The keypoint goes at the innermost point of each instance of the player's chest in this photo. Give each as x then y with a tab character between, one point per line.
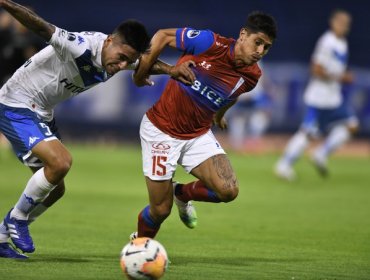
219	76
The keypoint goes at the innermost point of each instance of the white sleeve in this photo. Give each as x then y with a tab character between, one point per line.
322	52
68	45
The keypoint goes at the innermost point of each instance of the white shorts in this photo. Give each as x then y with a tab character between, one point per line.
162	153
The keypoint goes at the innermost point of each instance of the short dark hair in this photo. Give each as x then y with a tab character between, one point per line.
261	22
134	34
335	12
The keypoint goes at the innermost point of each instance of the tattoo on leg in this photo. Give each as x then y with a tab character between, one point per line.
224	171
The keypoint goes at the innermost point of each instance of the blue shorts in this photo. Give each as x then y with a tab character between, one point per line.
318	121
24	129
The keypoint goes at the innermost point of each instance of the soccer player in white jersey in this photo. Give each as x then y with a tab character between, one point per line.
326	111
72	63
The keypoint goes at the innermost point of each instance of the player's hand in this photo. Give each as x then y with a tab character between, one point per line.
347	77
220	122
141	82
183	72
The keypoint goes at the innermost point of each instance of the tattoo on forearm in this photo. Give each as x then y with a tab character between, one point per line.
224	171
159	67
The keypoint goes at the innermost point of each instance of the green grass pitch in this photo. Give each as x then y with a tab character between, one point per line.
309	229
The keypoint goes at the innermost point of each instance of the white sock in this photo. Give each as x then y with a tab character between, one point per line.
36	212
296	145
4	234
37	190
336	138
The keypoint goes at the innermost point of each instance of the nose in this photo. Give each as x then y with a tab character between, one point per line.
260	49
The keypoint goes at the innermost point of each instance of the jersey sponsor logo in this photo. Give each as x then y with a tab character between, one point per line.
211	95
32	140
71	37
70	86
160	148
205	65
192	33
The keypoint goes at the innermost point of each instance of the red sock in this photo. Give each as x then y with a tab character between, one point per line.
146	227
196	191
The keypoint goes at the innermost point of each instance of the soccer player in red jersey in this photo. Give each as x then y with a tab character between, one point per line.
176	130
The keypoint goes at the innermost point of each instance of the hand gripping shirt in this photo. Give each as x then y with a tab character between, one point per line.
186	112
69	65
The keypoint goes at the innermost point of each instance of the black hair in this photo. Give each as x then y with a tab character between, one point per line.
134	34
261	22
338	11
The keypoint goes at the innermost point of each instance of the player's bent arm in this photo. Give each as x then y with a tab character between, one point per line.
181	72
319	71
161	39
29	19
219	119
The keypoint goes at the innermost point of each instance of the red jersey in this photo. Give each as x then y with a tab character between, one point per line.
186	112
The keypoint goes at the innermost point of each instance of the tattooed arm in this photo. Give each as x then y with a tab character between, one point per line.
29	19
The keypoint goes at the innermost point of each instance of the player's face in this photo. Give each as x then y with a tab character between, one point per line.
117	56
251	47
340	24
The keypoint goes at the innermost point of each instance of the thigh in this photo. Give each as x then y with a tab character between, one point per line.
217	173
198	150
50	152
25	130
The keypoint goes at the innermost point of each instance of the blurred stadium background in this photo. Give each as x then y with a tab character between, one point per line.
311	229
113	111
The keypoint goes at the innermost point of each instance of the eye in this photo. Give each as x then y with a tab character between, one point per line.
123	57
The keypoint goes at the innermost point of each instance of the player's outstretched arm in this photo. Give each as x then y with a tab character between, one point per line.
163	38
29	19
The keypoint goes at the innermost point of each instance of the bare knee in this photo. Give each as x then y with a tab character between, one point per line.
58	167
227	191
227	195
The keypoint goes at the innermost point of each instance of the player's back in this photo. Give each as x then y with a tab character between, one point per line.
70	65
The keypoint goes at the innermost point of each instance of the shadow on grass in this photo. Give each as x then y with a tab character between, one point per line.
71	259
246	261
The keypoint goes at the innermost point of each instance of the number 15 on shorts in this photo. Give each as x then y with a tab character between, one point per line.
158	165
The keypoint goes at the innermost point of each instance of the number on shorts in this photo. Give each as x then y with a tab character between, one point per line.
158	168
48	132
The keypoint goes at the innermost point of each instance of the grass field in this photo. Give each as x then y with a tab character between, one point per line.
309	229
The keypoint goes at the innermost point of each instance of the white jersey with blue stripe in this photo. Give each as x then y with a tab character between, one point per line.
69	65
331	53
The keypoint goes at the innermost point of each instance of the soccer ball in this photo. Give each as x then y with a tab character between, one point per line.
144	258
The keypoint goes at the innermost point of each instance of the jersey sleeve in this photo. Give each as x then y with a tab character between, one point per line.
194	41
321	53
68	45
